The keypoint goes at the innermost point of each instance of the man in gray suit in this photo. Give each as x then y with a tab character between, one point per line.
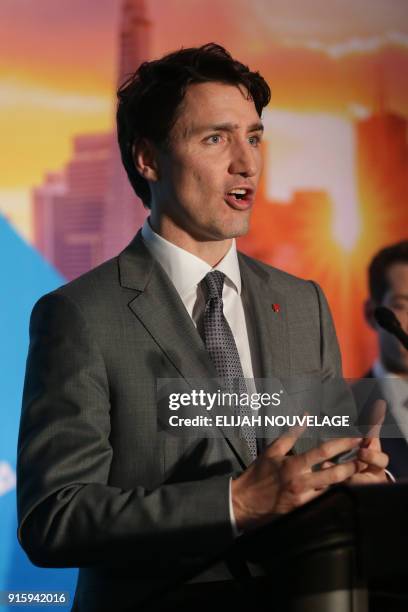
99	486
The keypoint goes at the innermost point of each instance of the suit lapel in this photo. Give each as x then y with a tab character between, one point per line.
268	327
160	310
266	316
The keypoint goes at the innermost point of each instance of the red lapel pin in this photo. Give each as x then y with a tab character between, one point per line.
276	307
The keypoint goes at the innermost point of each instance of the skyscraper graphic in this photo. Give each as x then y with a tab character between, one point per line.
124	211
88	212
69	207
45	200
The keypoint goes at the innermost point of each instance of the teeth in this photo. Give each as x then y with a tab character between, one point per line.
238	191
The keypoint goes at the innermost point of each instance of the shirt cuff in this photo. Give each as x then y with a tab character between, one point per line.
390	477
235	531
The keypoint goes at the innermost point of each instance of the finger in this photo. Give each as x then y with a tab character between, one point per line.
369	478
286	441
373	458
330	476
375	422
377	416
316	481
324	466
361	466
326	451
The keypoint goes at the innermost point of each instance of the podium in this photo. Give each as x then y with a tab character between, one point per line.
346	551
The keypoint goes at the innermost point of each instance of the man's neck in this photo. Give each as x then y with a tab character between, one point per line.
210	251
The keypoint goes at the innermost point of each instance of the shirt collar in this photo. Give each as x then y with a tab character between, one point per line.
186	270
380	372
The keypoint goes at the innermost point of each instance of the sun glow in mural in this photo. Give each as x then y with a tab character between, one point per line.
315	150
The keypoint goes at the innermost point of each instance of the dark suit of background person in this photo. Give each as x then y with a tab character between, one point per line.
99	487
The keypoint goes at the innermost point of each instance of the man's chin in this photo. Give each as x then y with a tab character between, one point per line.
235	230
225	230
233	234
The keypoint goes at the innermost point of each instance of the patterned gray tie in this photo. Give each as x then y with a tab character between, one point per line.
220	343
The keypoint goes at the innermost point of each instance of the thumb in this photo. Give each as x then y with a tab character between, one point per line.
376	420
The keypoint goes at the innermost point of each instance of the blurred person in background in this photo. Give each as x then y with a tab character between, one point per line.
388	286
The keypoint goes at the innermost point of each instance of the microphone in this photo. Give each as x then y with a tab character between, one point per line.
388	321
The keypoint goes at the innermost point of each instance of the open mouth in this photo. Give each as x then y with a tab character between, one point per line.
239	198
238	194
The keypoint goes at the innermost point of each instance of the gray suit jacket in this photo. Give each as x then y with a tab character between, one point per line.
98	486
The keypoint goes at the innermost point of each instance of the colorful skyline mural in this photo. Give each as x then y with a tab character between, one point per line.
335	182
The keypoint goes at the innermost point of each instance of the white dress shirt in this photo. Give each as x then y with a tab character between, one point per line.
186	271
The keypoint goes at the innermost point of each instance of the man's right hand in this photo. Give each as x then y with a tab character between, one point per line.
276	483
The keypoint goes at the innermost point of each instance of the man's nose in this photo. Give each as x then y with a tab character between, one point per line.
244	160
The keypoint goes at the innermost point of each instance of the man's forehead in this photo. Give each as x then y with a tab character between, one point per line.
397	278
216	103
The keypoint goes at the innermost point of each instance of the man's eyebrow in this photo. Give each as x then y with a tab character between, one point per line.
226	127
399	296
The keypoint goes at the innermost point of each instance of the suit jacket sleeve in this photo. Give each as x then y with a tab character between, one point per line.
69	514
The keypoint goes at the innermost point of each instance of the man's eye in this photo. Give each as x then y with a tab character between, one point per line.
399	306
254	140
214	139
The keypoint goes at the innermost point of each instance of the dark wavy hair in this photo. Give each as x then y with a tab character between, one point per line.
377	271
150	98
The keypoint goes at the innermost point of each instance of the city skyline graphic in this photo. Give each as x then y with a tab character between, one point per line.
334	187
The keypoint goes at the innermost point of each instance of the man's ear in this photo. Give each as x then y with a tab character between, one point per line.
145	159
369	308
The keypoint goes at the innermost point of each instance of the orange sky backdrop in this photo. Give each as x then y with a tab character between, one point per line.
57	62
327	63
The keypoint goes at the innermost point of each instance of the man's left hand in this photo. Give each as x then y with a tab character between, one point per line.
371	460
371	464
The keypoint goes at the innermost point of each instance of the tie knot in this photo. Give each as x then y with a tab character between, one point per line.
214	282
